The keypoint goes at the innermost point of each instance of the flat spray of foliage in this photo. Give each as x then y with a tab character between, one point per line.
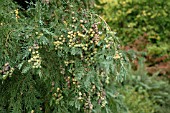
59	58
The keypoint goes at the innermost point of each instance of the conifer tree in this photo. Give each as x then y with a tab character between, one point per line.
59	57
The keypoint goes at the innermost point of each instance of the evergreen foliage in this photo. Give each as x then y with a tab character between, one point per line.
60	57
151	93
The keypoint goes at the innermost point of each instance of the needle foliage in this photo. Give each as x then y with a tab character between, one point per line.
58	57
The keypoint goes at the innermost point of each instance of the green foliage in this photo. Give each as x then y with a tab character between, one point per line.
133	18
137	102
150	92
58	58
142	25
158	50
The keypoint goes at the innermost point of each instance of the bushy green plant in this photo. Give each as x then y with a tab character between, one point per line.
136	102
158	50
151	92
133	18
136	16
59	58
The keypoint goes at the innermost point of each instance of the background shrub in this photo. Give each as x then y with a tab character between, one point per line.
143	27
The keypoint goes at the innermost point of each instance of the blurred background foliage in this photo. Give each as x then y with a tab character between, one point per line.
143	28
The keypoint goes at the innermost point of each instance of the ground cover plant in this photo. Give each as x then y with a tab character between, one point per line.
61	57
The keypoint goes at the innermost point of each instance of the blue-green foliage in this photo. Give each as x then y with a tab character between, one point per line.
59	58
